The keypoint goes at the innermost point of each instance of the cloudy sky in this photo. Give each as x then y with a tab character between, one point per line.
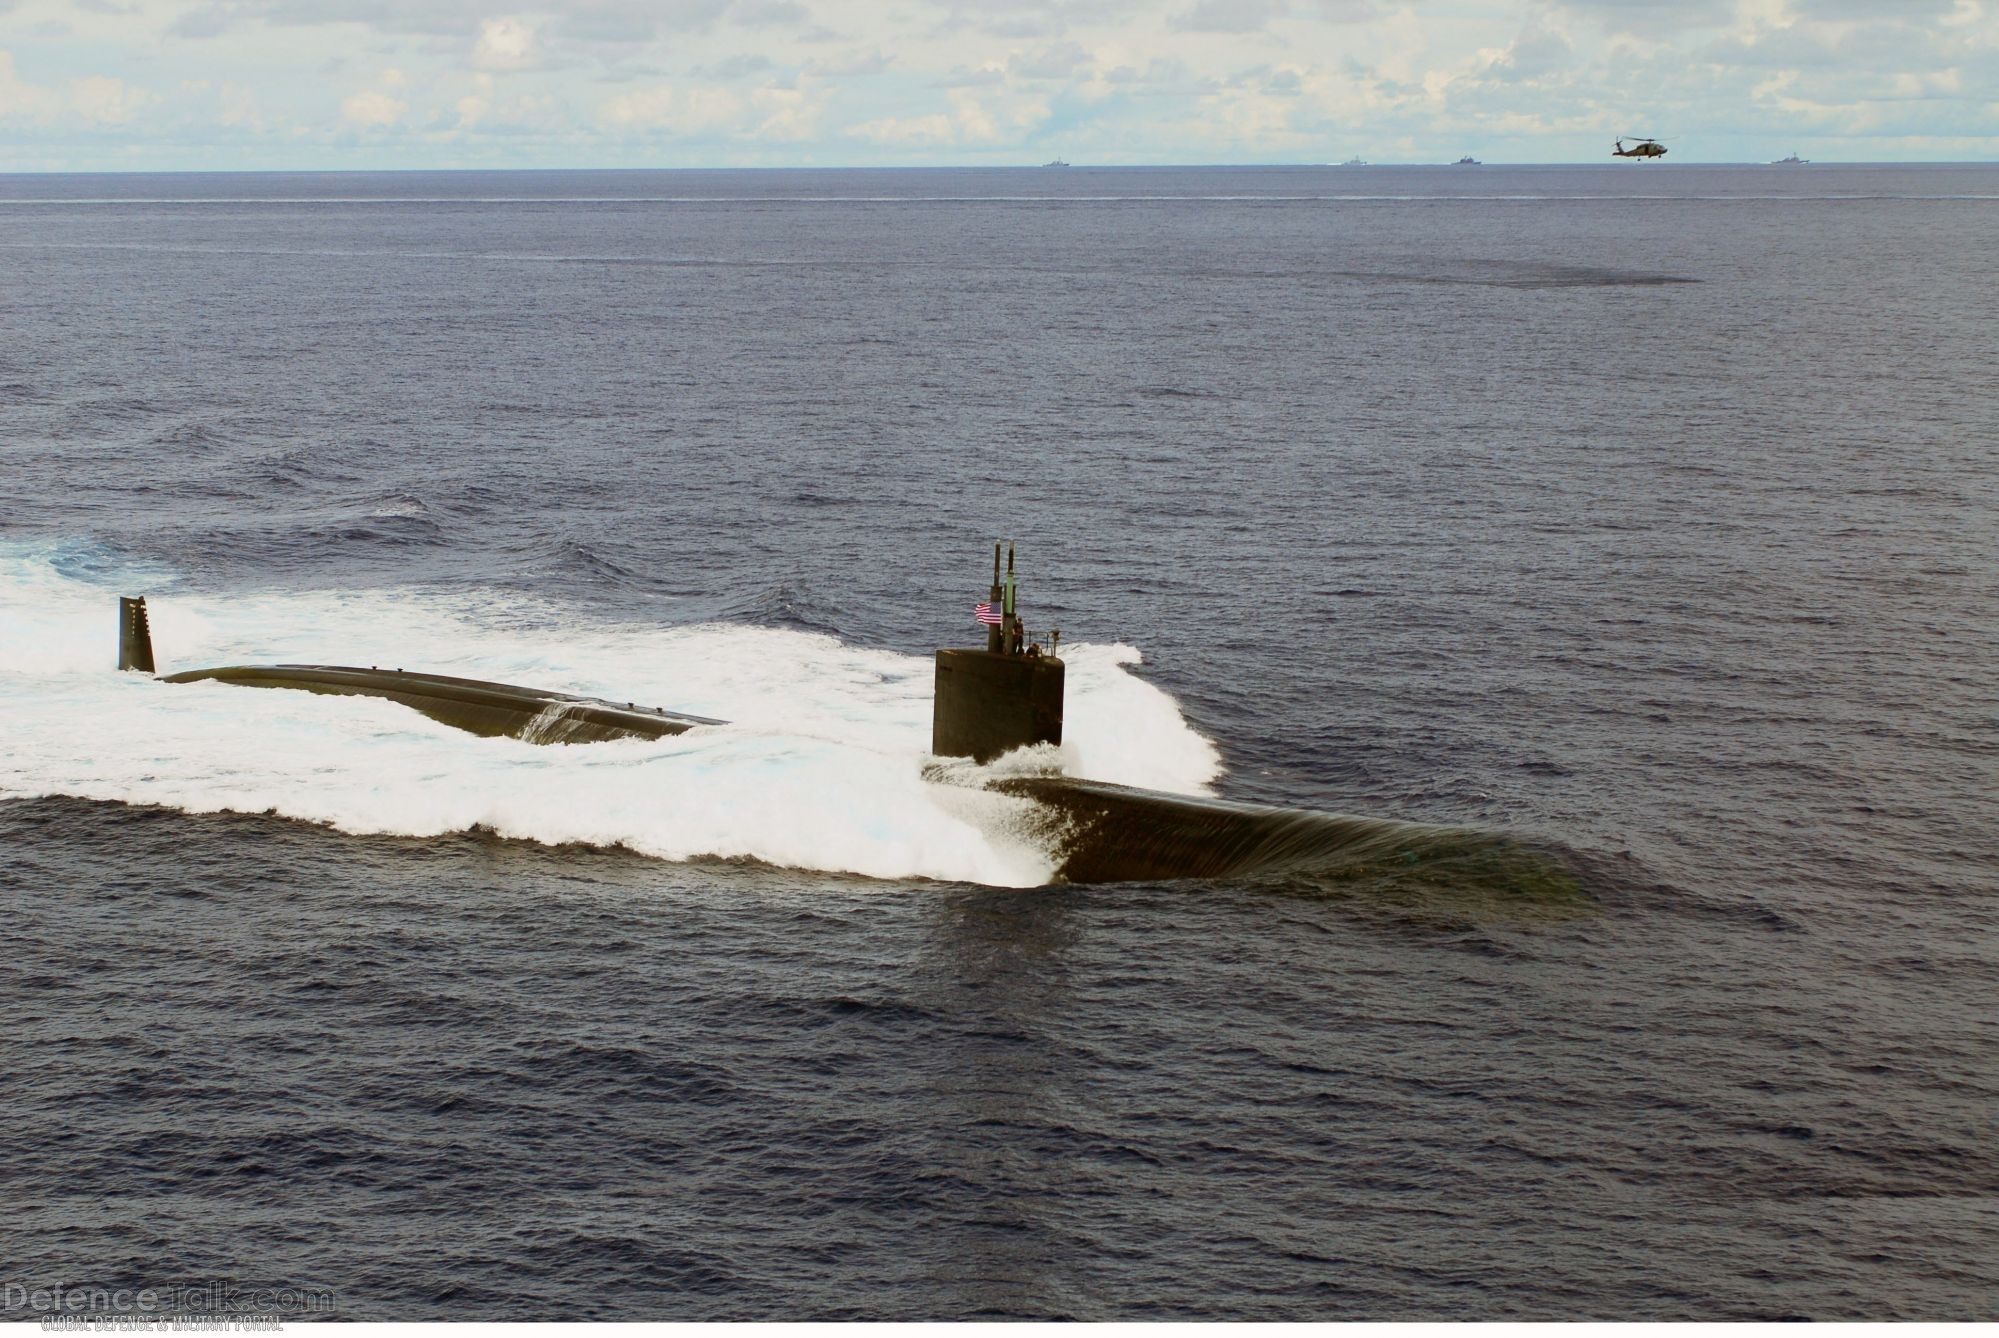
317	84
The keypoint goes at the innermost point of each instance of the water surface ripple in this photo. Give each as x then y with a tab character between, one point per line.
1640	515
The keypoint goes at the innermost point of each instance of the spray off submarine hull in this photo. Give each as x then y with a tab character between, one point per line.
491	710
988	702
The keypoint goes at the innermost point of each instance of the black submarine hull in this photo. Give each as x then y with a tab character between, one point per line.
1105	833
1118	833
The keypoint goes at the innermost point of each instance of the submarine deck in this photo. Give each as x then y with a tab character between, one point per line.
475	705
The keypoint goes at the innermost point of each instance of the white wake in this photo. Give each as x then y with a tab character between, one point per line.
821	766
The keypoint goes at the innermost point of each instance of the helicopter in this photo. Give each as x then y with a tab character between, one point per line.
1646	147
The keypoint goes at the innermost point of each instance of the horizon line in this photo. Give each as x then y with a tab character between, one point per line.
984	167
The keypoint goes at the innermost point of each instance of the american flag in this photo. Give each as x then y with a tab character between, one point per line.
987	614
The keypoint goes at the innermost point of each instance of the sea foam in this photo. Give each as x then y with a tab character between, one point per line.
820	767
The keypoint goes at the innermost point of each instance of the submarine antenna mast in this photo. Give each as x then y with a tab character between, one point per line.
1012	613
995	637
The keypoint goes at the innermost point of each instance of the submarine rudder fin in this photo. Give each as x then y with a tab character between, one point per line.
135	635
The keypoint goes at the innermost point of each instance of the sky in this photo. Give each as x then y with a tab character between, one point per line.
94	85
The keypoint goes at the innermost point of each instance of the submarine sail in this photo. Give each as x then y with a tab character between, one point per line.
1009	695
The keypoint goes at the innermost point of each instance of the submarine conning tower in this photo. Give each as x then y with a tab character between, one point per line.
1005	696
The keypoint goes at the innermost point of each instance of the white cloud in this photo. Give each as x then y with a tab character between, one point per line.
374	107
785	115
682	111
853	65
236	107
506	43
475	106
709	112
771	14
538	82
973	119
103	100
1057	60
1231	16
203	23
97	100
1540	51
908	131
19	99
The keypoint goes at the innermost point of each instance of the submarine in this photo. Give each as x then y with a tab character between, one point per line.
988	701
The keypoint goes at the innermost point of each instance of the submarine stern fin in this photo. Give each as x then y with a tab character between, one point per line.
135	635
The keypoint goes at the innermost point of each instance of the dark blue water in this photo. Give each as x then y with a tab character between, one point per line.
1642	513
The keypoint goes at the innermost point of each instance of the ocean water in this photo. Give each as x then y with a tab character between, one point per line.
1642	515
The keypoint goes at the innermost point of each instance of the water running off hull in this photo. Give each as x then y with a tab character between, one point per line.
1115	833
473	705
